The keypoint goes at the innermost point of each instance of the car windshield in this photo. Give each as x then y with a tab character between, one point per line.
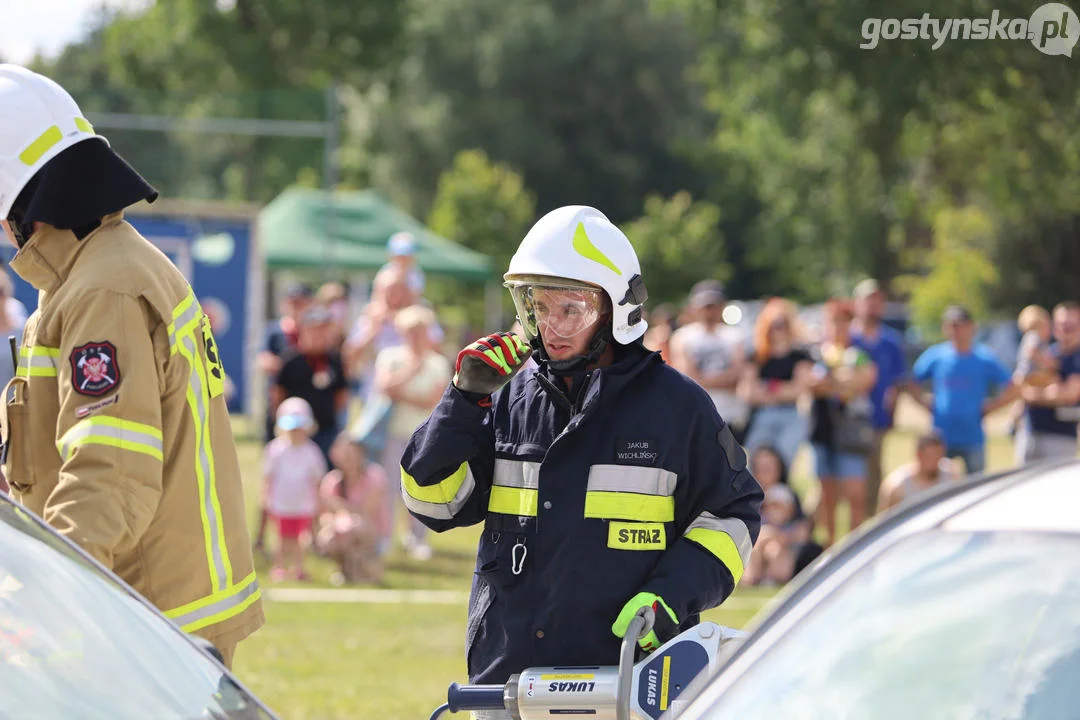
74	643
944	624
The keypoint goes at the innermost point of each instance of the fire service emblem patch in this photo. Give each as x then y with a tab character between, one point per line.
94	370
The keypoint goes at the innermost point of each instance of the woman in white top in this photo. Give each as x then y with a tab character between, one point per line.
413	376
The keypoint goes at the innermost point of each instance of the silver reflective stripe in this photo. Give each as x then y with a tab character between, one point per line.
735	529
442	511
517	474
37	357
202	437
85	429
216	608
183	323
632	479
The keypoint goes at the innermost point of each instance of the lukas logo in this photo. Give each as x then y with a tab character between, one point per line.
651	683
571	687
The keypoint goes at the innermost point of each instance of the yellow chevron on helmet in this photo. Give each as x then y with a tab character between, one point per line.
578	243
38	120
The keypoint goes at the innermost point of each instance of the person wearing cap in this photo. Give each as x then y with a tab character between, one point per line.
885	346
116	430
314	371
606	481
963	376
713	353
281	339
401	249
293	467
929	468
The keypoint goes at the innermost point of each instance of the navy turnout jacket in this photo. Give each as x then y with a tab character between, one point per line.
637	485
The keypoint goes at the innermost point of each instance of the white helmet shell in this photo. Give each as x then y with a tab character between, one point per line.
579	243
38	121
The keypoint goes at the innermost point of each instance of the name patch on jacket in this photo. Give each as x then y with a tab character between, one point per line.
94	370
636	536
636	452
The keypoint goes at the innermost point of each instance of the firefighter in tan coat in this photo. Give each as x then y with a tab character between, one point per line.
115	426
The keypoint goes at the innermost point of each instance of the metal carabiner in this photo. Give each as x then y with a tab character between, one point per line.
517	564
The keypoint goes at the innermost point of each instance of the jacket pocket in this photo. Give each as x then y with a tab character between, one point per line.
18	469
480	605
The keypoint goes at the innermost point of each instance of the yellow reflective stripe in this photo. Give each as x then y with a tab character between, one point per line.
42	145
442	500
185	316
38	351
629	506
513	501
38	361
113	432
585	248
183	342
722	546
36	371
217	607
84	125
441	492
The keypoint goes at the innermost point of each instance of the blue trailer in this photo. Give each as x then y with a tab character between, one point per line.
214	246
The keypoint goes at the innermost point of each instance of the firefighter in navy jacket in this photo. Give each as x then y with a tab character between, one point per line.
606	480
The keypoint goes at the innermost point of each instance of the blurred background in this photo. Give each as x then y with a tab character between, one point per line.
751	142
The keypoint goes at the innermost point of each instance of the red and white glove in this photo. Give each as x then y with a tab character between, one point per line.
490	362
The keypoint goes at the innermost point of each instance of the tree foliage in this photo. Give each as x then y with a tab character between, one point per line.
678	242
591	101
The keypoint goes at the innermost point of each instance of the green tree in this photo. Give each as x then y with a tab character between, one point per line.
850	152
678	242
590	101
190	58
483	206
486	207
956	271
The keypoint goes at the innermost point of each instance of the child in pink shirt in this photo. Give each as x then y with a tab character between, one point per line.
355	523
292	466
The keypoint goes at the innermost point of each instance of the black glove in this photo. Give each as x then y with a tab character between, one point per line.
489	363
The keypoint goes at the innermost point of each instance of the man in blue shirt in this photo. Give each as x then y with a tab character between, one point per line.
885	347
1048	429
962	376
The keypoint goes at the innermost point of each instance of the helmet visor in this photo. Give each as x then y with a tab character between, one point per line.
557	311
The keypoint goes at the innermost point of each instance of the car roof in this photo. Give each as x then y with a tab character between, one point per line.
1042	497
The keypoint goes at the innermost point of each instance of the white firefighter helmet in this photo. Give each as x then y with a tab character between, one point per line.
578	246
38	120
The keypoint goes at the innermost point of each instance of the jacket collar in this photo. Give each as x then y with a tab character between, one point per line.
630	362
48	256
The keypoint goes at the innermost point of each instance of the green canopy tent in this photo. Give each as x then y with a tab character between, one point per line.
314	229
306	231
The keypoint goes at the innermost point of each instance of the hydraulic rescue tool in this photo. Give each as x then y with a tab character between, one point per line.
628	692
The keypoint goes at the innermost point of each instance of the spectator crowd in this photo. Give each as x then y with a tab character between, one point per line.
834	388
344	394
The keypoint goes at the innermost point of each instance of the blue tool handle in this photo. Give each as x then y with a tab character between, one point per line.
474	697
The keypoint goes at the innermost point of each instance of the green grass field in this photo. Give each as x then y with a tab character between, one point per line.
357	660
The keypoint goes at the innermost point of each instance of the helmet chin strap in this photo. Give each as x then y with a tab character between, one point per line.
578	363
